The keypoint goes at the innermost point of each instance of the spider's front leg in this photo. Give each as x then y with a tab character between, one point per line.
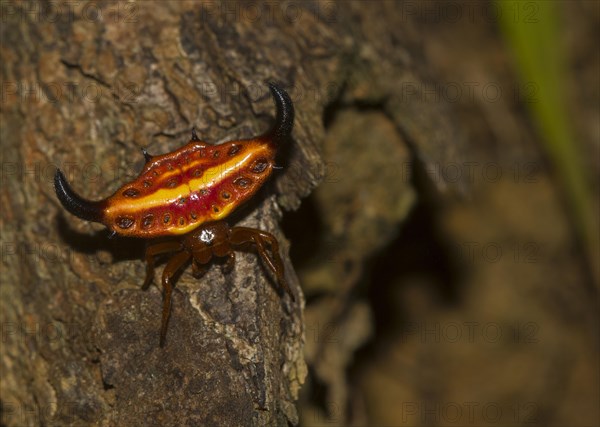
154	250
243	235
173	265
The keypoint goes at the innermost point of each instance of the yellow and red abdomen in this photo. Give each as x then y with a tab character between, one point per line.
198	183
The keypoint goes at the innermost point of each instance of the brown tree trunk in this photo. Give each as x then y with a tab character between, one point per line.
85	86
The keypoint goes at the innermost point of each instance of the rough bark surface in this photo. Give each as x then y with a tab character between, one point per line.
92	84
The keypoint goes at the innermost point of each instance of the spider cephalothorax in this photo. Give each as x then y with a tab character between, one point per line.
186	194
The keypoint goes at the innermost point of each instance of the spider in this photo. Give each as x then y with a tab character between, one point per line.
186	195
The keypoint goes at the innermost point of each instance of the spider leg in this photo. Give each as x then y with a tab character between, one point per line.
198	269
275	263
243	235
151	252
175	263
229	263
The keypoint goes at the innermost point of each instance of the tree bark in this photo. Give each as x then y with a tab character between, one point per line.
85	86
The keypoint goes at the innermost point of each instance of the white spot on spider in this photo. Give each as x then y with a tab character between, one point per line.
207	236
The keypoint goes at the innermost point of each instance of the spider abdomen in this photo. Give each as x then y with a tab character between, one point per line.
197	183
173	197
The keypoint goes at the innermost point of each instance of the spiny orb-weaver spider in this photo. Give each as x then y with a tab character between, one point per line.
187	194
